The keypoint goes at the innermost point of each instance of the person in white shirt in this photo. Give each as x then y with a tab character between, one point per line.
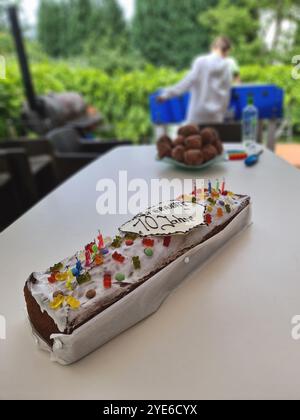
209	82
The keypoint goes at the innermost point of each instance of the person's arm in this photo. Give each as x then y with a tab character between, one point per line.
185	84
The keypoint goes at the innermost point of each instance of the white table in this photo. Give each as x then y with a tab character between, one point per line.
225	333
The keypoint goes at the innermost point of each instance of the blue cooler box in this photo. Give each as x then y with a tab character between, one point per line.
269	99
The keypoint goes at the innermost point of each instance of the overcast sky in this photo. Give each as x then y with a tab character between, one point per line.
30	8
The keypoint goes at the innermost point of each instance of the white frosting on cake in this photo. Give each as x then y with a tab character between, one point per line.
42	290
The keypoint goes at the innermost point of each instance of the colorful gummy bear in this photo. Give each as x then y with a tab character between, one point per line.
52	278
56	267
211	201
220	212
99	260
83	278
118	257
228	208
149	243
167	241
117	242
107	281
57	302
129	242
208	219
72	302
209	209
136	262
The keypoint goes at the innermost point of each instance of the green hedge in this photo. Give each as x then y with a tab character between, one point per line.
122	98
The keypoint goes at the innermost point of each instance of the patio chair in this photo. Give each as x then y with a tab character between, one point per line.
72	153
10	205
41	162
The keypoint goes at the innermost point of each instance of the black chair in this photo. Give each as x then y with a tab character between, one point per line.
72	153
229	132
10	205
40	160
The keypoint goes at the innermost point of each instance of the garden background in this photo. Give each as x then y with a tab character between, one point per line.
88	46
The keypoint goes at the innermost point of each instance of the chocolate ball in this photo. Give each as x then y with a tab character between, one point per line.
193	142
188	130
209	135
178	153
164	150
165	140
219	146
193	157
209	152
179	141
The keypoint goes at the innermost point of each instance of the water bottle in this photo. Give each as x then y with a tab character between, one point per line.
250	126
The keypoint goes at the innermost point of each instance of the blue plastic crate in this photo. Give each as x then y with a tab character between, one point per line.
269	99
172	111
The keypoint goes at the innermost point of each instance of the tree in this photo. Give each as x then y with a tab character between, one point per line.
239	20
167	32
66	26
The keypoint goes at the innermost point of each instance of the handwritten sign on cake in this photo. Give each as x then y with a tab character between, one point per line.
169	218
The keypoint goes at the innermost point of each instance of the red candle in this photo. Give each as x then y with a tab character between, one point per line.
100	241
87	258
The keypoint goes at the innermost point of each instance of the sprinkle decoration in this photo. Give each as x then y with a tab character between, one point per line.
148	252
149	243
90	294
209	209
107	281
136	262
120	277
104	251
118	257
167	241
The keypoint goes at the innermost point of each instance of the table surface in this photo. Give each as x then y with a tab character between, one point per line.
224	333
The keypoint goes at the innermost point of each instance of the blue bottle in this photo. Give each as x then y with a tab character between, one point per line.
250	126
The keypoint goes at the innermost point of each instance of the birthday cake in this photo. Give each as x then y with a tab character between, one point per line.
85	300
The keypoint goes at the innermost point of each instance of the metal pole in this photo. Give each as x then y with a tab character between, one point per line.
22	57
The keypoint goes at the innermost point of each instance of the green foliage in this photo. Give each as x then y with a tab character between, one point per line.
123	97
66	26
239	21
167	32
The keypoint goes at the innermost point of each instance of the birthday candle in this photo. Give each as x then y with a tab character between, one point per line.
100	241
223	186
218	185
209	187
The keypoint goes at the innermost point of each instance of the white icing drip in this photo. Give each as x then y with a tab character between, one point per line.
43	291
